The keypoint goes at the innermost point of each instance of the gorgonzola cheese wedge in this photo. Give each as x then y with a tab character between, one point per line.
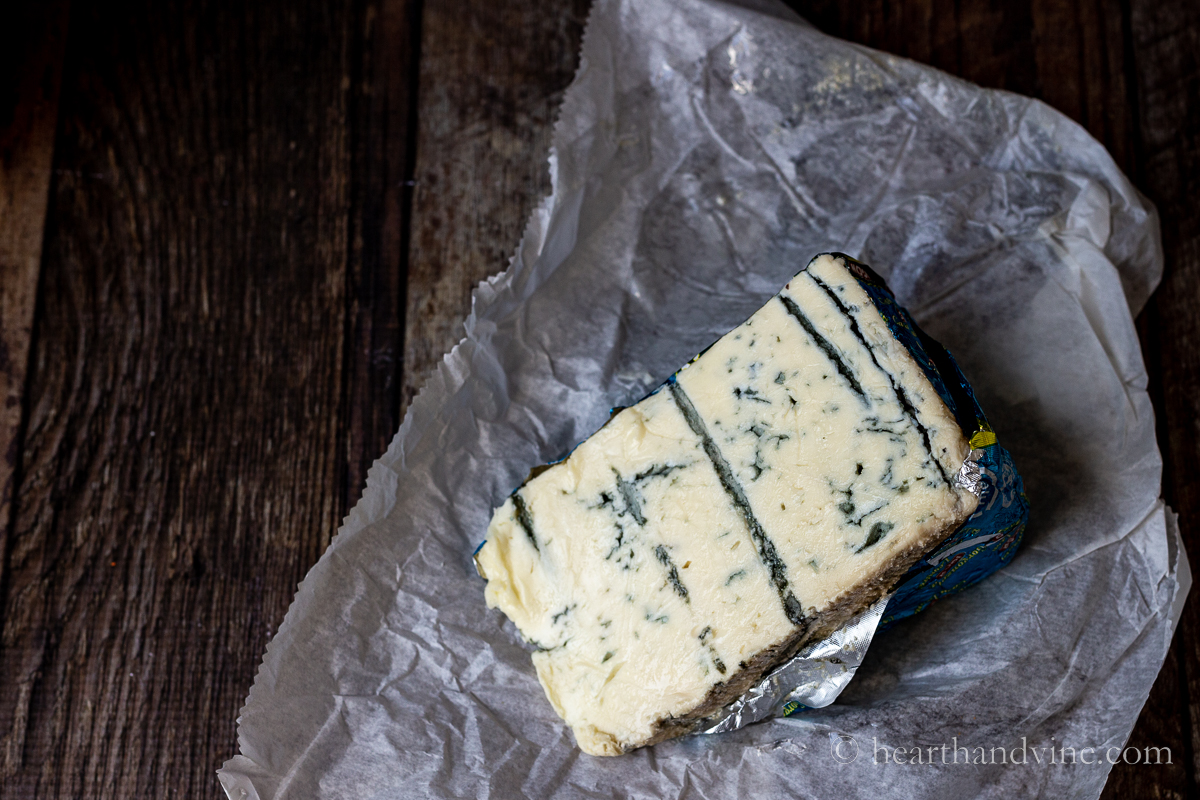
774	487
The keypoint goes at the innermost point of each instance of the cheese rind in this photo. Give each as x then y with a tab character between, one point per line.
777	485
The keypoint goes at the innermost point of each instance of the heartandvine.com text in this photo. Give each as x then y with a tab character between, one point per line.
845	750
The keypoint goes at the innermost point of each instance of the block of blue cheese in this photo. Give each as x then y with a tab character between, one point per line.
777	485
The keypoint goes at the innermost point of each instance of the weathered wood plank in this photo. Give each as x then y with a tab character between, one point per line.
183	462
1165	42
492	77
1079	49
383	106
31	53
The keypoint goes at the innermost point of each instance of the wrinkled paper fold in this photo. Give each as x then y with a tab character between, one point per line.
705	152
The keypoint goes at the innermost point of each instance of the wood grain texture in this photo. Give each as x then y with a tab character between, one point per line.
383	108
181	465
1165	43
492	78
31	53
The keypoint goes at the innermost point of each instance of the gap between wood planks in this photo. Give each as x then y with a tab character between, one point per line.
31	55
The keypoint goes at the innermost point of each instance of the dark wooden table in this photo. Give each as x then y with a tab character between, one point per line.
235	237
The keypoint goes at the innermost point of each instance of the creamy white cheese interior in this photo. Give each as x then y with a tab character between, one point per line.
787	466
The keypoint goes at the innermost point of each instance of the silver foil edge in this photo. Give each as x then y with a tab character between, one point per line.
814	677
970	474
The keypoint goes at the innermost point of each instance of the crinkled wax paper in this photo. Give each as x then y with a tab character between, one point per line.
704	153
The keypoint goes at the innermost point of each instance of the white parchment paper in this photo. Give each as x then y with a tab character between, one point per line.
704	153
